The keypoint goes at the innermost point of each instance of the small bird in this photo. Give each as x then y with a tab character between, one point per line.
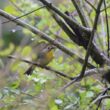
44	57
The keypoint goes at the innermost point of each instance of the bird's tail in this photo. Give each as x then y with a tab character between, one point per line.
30	70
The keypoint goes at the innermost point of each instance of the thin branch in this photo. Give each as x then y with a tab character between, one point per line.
44	67
15	5
95	53
103	93
108	35
90	4
88	73
81	13
79	77
99	98
23	15
37	32
43	35
66	18
91	38
105	8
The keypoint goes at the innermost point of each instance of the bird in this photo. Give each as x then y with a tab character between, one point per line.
45	55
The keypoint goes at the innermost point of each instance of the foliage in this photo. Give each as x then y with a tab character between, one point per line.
41	91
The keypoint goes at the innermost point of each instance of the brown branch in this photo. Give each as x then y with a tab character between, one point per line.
83	29
81	13
89	47
44	67
96	54
102	94
88	73
23	15
107	26
91	39
90	4
16	6
98	99
37	32
105	8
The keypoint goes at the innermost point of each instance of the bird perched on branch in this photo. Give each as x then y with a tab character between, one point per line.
45	54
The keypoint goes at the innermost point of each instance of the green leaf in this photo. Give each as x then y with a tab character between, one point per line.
7	51
89	94
26	51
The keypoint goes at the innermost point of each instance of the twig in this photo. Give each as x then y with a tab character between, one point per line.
88	73
23	15
79	77
90	4
15	5
99	98
108	35
38	32
103	93
91	39
66	18
44	67
105	8
81	13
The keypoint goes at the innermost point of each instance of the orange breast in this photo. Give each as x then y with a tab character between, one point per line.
50	55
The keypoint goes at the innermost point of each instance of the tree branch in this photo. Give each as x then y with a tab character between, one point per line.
88	73
89	45
108	35
83	29
38	32
81	13
44	67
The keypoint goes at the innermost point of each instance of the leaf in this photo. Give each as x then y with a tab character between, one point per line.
89	94
26	50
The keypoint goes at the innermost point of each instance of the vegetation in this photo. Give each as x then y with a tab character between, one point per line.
78	76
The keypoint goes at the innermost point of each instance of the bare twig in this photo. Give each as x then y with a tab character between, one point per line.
105	8
23	15
99	98
103	93
15	5
81	13
79	77
108	35
38	32
91	39
88	73
90	4
44	67
66	18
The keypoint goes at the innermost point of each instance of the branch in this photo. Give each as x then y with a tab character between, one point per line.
85	33
89	47
70	34
44	67
98	99
108	35
105	8
38	32
81	13
95	53
102	94
24	15
15	5
88	73
90	4
91	39
83	29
